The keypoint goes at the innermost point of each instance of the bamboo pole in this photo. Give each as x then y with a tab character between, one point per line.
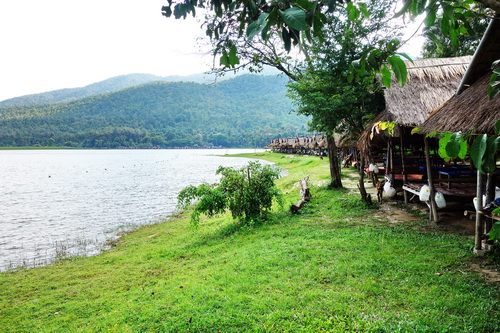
403	169
479	217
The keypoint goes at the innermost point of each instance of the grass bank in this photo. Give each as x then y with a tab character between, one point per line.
333	268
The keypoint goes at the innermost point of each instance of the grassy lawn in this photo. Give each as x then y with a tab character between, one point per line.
332	268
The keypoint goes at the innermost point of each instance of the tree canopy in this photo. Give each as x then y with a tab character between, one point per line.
299	22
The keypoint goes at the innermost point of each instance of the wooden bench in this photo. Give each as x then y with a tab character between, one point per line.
414	189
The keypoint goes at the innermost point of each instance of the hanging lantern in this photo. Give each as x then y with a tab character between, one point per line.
440	201
424	193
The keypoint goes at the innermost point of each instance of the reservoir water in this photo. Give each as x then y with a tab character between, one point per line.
59	203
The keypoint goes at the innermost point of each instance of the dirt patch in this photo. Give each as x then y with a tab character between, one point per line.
487	271
394	214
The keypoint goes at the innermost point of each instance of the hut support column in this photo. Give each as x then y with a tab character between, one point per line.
433	217
479	218
490	196
403	163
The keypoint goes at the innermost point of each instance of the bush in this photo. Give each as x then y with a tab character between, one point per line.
248	193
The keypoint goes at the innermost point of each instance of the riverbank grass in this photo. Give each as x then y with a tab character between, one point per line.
332	268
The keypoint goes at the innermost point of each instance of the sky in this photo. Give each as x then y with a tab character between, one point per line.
54	44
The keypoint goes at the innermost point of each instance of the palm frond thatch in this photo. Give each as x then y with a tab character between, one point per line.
470	112
430	83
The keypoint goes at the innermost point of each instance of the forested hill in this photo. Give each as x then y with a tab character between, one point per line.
247	111
109	85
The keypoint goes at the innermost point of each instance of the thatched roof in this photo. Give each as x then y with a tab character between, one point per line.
430	83
471	111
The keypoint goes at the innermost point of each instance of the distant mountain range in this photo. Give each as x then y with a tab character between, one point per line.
115	84
112	84
142	110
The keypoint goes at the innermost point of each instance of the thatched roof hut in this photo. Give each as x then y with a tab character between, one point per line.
470	110
430	83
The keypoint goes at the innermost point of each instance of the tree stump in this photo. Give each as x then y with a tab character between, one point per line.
305	196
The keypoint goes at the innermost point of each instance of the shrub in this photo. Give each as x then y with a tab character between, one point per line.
248	193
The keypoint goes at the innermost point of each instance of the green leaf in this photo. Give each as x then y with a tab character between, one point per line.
443	142
445	26
464	149
494	86
495	232
295	18
404	55
497	127
386	76
431	17
477	151
399	68
287	40
306	4
405	8
363	7
224	59
233	57
454	37
318	22
167	11
352	11
257	26
489	159
453	145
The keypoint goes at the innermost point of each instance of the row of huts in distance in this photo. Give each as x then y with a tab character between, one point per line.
302	145
448	94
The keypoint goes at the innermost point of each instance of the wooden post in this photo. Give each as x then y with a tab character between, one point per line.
490	196
479	217
391	158
433	217
403	170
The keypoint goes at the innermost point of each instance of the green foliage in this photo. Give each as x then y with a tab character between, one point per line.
440	45
399	68
494	87
247	111
248	193
495	229
301	22
385	126
484	151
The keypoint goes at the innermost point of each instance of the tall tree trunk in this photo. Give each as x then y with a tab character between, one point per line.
334	162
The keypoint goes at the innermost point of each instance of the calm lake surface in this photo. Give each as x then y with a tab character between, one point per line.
59	203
